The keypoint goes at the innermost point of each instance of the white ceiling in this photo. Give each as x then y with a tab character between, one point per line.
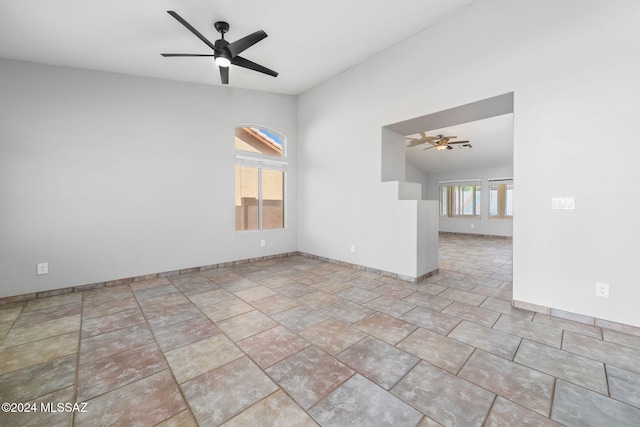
492	141
309	41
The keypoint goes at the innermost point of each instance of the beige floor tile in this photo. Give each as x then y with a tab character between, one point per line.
37	352
443	397
38	331
436	349
360	402
318	300
107	344
525	386
391	306
255	293
117	370
386	328
276	410
272	346
195	359
309	375
112	322
146	402
183	419
35	381
9	315
275	304
246	324
225	310
220	394
332	336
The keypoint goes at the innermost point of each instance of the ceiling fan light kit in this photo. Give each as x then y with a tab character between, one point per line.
222	60
225	53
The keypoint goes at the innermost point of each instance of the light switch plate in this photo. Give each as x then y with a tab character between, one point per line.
563	203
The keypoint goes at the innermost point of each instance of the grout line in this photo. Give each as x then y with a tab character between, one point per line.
486	418
606	378
553	395
77	367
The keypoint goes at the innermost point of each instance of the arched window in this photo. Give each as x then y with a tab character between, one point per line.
260	179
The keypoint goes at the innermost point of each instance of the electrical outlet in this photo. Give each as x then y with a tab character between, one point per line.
602	290
42	268
263	243
353	249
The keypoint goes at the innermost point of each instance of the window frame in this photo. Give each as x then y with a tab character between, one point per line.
501	185
261	162
255	154
452	190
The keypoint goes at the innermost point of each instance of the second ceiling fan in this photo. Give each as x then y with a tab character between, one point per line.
225	53
439	142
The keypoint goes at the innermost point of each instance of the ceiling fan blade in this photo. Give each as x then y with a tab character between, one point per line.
170	55
238	46
433	146
190	28
449	148
245	63
224	75
457	142
415	142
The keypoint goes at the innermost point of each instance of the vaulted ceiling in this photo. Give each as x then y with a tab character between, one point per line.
308	41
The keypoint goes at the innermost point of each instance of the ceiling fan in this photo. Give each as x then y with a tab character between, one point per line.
423	138
439	142
225	53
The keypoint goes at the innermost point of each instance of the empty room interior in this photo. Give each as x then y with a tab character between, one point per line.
338	213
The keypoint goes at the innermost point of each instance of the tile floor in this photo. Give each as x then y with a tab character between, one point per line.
297	341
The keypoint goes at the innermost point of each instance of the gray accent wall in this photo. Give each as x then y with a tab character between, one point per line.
106	176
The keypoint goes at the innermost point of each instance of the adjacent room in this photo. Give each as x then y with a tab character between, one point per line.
330	213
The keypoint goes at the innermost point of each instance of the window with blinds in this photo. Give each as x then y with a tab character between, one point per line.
501	198
460	199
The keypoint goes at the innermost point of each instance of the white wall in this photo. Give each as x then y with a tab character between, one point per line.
415	174
106	176
533	49
343	199
577	138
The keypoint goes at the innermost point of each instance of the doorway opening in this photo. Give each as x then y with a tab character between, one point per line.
463	158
